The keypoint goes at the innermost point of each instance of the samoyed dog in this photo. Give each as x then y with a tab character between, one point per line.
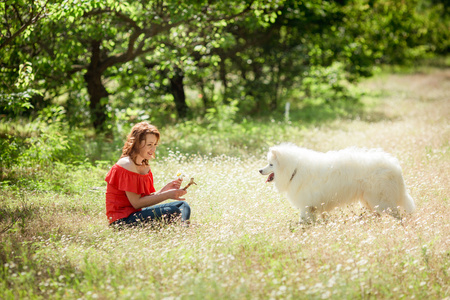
316	182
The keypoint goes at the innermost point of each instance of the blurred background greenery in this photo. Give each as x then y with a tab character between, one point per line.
76	75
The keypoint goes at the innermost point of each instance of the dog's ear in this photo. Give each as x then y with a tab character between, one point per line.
274	153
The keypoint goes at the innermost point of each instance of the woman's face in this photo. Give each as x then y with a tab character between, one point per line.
147	148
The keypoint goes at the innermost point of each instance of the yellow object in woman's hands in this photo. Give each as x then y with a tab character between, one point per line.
180	175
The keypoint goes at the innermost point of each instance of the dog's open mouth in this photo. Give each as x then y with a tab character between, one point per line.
271	177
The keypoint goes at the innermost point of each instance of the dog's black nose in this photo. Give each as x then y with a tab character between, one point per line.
260	171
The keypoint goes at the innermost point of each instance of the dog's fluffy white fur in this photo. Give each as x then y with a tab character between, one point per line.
318	182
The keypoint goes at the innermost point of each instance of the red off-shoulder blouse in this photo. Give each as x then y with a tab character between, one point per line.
120	180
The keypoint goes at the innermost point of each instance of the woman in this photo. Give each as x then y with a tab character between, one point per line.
130	195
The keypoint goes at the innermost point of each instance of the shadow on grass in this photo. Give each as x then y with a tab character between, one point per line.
319	114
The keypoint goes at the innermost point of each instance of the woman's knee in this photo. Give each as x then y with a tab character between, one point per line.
185	211
184	204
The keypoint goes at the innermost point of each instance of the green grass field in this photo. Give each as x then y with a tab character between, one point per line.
245	242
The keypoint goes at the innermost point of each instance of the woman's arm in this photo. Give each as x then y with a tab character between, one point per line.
140	202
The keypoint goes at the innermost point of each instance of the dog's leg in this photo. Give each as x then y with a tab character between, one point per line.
394	212
307	215
378	210
371	209
379	202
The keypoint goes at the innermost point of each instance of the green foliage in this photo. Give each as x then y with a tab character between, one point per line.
54	140
326	84
19	95
394	32
8	152
42	144
102	59
222	116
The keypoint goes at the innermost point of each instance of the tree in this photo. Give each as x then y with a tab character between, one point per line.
98	58
19	18
18	22
92	37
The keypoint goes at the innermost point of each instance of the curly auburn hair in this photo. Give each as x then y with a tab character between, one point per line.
135	137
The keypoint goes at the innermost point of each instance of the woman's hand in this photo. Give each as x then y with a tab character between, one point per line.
173	185
176	194
173	189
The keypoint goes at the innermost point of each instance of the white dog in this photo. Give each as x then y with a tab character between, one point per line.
318	182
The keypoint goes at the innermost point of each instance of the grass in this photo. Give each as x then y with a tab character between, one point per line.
246	243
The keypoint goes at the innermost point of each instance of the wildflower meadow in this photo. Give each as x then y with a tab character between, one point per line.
245	241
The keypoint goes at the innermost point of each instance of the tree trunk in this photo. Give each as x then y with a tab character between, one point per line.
207	103
96	89
177	90
273	104
223	78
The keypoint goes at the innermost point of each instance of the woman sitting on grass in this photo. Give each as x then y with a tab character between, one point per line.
130	195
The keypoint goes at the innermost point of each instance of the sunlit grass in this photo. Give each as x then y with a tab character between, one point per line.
245	242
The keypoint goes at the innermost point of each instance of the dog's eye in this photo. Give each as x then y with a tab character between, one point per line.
271	165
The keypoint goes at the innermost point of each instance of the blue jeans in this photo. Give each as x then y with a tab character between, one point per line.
167	212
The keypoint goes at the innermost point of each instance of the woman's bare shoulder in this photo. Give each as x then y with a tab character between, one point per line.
127	163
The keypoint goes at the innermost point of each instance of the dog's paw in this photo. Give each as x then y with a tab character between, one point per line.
306	221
